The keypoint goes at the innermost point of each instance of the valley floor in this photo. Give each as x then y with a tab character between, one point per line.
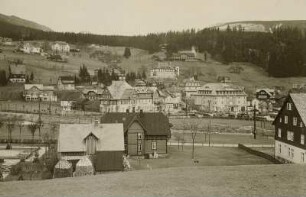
251	180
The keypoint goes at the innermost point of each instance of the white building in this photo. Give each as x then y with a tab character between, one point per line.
31	48
123	97
34	92
191	87
165	70
221	97
61	47
290	130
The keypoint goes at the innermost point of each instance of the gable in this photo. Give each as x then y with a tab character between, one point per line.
298	107
135	127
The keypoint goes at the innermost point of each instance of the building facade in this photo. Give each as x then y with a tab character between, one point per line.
39	92
165	70
221	97
290	130
61	47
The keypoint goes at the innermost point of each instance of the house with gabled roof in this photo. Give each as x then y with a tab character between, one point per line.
17	73
60	46
39	92
120	97
290	130
104	143
144	133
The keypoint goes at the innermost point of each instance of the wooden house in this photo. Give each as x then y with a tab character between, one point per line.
144	133
290	129
102	142
17	73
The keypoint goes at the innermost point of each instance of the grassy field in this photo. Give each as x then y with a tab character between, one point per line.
219	138
46	71
251	180
221	125
207	156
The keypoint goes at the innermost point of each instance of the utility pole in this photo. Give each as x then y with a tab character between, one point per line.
254	117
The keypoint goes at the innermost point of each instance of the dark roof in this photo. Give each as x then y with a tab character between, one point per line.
68	95
299	100
153	123
67	79
18	69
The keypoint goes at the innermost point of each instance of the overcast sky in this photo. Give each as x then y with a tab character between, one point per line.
130	17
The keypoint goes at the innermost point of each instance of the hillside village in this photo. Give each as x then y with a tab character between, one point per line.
81	110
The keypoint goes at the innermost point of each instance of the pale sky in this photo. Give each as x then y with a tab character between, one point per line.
132	17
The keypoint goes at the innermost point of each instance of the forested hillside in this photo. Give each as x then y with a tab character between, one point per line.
281	53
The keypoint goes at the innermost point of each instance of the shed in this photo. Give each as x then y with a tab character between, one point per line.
62	169
84	167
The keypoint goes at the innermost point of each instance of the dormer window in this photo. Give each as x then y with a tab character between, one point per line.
289	106
91	141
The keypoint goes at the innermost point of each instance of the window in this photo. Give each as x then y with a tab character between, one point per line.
302	157
289	106
280	119
292	153
290	135
279	132
302	139
301	124
139	136
280	148
286	119
289	152
153	145
294	121
139	147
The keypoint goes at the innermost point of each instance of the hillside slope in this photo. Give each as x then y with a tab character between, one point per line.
14	20
255	180
263	26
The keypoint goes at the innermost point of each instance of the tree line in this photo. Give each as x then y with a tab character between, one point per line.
281	52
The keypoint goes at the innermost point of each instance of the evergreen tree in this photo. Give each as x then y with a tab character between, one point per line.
3	79
127	52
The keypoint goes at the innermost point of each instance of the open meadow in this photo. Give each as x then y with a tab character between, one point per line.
248	180
207	156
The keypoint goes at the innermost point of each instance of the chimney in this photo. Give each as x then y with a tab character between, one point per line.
141	113
96	123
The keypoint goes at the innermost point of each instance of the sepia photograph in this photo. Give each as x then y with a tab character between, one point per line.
149	98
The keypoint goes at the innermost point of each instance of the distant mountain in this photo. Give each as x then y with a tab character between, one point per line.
14	20
263	26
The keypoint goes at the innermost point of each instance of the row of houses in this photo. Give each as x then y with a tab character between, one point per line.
37	47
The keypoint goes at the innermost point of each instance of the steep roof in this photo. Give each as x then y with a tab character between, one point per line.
71	137
299	101
18	69
117	89
38	86
153	123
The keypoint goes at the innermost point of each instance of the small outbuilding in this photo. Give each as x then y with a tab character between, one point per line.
62	169
84	167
